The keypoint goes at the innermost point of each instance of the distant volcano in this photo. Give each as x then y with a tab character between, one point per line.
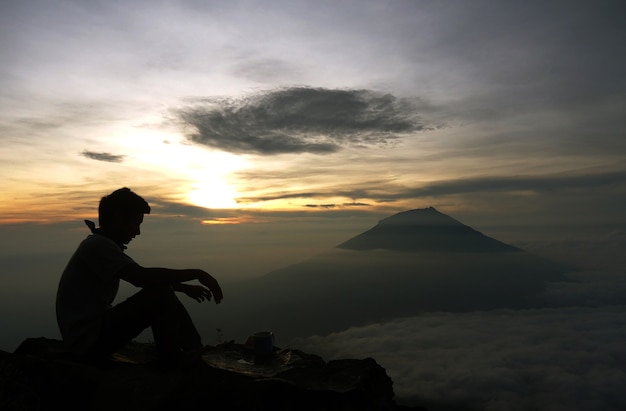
412	262
425	230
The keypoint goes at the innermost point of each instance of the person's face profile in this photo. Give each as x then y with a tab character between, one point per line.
133	227
128	227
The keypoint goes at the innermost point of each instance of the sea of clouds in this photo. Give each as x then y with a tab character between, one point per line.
568	356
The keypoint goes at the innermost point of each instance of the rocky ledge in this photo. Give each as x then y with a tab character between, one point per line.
39	375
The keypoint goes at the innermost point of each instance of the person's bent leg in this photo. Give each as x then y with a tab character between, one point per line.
172	327
188	337
158	307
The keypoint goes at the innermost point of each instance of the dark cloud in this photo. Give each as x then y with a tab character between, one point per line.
302	119
320	205
108	157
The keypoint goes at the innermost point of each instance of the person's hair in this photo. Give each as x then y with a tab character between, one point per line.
122	203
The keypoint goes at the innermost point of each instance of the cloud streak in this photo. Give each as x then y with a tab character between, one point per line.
106	157
390	192
519	183
302	120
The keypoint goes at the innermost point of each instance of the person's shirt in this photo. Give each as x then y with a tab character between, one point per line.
87	289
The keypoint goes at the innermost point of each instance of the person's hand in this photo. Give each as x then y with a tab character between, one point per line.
197	292
212	284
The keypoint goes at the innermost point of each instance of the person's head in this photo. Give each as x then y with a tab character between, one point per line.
121	213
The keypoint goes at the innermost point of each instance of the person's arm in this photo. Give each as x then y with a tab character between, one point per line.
149	276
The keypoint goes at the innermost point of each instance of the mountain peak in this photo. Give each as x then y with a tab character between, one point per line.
424	229
419	216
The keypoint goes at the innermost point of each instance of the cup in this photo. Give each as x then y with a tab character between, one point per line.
263	342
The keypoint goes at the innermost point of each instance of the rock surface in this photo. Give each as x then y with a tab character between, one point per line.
39	375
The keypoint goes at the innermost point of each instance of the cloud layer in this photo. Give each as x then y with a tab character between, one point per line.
302	119
557	359
567	357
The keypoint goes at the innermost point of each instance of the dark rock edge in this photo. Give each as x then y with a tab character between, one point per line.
40	375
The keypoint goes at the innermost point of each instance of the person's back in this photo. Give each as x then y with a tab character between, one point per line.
87	288
90	325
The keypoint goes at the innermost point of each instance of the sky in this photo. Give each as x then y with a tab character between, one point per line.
264	132
246	107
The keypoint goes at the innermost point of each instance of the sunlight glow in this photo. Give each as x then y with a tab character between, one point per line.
209	174
213	192
206	172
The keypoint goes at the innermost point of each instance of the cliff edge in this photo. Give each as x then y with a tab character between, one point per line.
39	375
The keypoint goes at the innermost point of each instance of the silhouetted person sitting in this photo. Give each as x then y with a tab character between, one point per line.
91	327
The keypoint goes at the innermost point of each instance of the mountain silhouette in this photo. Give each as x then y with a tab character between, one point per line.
425	230
412	262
